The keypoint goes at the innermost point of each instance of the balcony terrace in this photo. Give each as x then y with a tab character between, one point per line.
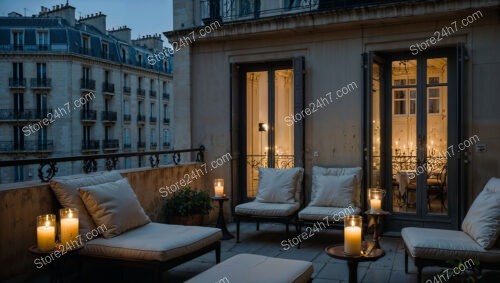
42	84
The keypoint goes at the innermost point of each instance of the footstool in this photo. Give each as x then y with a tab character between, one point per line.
250	268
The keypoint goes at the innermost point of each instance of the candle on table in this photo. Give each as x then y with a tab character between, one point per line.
376	196
69	225
376	204
219	187
46	232
352	235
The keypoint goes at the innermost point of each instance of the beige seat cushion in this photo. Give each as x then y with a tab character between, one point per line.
66	191
267	209
445	245
250	268
114	205
334	214
154	241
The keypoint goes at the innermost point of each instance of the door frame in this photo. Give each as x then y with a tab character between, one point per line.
454	131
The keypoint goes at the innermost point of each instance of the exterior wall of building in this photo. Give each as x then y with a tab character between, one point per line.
66	132
333	59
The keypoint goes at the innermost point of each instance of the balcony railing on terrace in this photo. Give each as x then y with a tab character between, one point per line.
237	10
47	168
152	93
141	92
166	96
166	121
25	114
126	90
17	83
152	119
108	87
87	84
141	144
141	118
41	83
127	117
27	146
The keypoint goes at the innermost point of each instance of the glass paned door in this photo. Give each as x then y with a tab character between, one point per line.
269	141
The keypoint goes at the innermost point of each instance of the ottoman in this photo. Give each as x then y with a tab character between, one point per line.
250	268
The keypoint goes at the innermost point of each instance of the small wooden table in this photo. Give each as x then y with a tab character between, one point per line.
57	260
371	254
221	222
376	217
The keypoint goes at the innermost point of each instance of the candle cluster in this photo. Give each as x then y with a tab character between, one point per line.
46	229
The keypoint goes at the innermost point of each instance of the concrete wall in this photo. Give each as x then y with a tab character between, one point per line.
333	59
21	203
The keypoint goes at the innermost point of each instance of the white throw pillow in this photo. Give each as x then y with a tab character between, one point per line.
339	171
482	222
493	185
336	191
278	185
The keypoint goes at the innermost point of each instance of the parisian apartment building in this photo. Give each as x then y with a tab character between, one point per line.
73	87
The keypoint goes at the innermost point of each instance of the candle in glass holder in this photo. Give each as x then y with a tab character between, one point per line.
219	187
352	235
376	196
69	224
46	232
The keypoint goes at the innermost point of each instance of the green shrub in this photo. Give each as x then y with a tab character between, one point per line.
188	202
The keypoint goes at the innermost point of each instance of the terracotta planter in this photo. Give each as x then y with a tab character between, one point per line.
193	220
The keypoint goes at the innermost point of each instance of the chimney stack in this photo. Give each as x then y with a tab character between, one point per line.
97	20
123	33
64	11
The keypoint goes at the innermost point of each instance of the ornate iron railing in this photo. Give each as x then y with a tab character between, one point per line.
47	168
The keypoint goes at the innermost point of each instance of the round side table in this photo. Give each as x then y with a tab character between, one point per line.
221	222
56	265
337	251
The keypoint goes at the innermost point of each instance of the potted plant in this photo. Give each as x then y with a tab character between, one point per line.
188	206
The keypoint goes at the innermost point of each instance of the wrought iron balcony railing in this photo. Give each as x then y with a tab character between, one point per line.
43	47
127	146
88	115
41	83
109	116
90	145
152	119
126	90
166	145
153	144
17	83
166	121
152	93
141	144
141	118
87	84
48	167
141	92
110	144
25	114
18	47
27	146
127	117
166	96
108	87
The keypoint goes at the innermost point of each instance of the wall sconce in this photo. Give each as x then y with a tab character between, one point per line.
263	127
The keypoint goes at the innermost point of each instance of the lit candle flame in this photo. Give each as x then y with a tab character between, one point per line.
70	215
47	224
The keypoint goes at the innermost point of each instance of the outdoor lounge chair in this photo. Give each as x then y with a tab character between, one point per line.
336	192
278	199
478	240
100	197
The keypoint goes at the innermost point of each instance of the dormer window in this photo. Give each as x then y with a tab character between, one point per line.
139	59
18	37
85	45
124	55
104	50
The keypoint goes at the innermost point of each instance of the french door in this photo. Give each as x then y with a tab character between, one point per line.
412	127
269	92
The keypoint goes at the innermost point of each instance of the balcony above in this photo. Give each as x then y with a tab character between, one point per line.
141	118
152	93
90	145
126	90
87	85
110	145
166	97
10	147
88	116
166	121
109	116
108	88
14	115
41	83
15	83
152	120
141	145
166	145
153	145
141	93
127	118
